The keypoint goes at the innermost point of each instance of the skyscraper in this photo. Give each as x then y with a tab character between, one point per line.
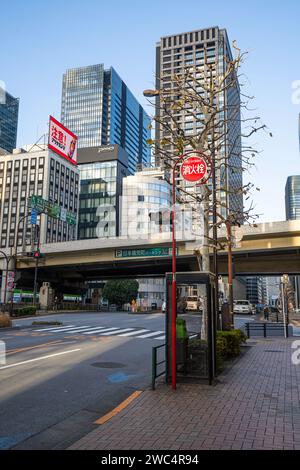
257	291
292	198
173	55
101	110
9	111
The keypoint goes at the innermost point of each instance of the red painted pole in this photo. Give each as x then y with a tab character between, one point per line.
174	293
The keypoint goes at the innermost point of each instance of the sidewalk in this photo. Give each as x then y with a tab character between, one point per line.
255	405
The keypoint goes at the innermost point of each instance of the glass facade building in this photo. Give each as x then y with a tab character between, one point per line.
101	174
257	291
9	111
98	193
100	109
292	198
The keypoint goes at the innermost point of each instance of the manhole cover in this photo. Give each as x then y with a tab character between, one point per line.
108	365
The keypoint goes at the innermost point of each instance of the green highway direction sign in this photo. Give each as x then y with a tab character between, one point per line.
52	210
143	252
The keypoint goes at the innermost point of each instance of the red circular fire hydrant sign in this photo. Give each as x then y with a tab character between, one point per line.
195	169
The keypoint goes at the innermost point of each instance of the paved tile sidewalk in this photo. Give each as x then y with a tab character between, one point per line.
255	405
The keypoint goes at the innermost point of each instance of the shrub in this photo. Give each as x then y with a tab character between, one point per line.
5	320
24	312
233	341
242	335
221	352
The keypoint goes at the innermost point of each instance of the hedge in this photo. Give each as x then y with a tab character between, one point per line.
24	312
229	345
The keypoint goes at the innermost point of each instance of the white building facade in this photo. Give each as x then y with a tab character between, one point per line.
146	204
36	170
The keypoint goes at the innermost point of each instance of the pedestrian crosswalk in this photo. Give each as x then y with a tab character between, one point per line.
87	330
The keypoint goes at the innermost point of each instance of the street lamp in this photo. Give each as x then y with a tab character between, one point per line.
284	283
176	161
151	93
15	254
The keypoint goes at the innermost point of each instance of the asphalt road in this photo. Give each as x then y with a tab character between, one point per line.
58	380
49	402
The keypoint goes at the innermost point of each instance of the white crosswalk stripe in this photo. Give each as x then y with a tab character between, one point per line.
70	330
140	333
56	328
148	335
100	330
136	332
116	332
86	328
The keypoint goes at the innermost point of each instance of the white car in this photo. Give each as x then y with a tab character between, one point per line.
242	307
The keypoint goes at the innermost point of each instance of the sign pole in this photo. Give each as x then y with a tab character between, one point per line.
174	287
194	169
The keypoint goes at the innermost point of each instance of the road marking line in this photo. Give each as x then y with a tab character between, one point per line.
88	328
151	334
137	332
39	359
14	351
99	330
161	337
118	409
56	328
116	332
74	328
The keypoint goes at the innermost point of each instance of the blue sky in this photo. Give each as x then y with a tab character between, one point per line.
40	39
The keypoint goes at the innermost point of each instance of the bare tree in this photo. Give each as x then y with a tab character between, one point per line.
204	108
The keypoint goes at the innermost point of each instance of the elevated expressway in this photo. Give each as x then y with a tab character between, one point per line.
267	249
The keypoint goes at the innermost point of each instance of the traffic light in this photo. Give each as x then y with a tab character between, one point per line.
35	254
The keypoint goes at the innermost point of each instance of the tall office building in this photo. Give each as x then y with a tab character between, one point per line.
173	55
292	198
101	110
36	170
9	111
257	290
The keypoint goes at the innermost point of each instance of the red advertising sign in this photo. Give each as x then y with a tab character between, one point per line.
62	141
195	169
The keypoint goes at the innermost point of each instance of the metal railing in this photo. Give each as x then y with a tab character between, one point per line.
74	306
155	365
265	328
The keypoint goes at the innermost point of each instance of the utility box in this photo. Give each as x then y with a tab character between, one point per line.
196	322
46	296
